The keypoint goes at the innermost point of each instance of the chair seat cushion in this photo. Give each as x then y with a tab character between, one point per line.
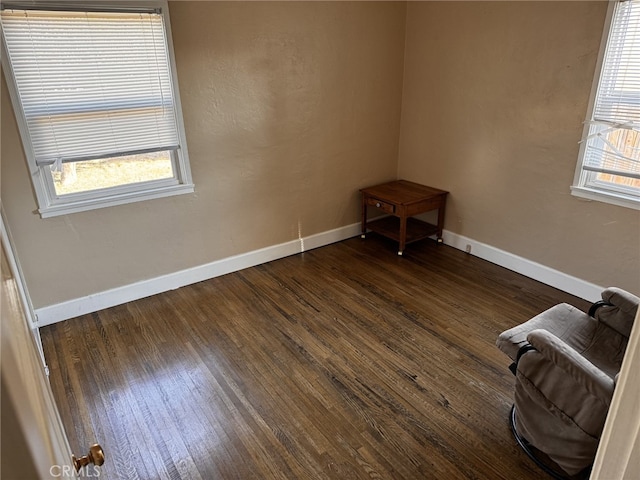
565	321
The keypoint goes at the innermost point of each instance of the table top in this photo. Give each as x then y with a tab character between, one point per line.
402	192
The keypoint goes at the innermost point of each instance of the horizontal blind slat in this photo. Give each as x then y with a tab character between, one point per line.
91	84
619	88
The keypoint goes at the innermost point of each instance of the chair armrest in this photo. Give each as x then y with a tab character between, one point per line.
625	301
617	310
594	380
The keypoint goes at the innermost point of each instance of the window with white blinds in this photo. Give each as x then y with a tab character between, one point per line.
94	84
609	163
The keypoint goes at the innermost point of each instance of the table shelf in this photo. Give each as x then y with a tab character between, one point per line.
390	227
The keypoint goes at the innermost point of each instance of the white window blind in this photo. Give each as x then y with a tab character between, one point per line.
612	145
92	84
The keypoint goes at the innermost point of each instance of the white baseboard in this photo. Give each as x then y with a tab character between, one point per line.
562	281
117	296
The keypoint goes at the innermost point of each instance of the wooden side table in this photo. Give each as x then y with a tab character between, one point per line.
402	200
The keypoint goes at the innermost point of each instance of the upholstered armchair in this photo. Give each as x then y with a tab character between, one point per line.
566	364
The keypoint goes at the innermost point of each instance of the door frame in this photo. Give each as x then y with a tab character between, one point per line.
27	305
27	398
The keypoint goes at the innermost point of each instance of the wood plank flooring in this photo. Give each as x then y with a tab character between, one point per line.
344	362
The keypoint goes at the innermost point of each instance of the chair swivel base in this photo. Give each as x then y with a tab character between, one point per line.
529	450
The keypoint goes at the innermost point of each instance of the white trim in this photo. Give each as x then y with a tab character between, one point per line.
121	199
609	197
549	276
117	296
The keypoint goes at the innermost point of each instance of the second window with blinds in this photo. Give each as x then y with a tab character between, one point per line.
608	167
97	102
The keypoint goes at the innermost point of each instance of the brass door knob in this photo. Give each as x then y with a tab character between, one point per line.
95	456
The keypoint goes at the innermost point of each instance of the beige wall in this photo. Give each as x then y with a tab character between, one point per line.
495	94
289	108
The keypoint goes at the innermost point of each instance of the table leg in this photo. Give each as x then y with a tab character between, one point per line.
364	217
441	219
403	234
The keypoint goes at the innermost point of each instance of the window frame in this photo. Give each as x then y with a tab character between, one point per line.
581	186
51	204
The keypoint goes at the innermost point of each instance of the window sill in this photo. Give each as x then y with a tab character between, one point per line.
606	197
120	199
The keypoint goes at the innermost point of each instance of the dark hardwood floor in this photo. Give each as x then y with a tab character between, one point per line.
344	362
